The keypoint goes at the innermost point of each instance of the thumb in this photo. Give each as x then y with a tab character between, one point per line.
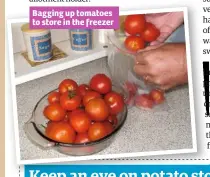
141	56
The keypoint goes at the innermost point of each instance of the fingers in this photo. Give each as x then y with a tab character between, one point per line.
143	55
163	36
141	70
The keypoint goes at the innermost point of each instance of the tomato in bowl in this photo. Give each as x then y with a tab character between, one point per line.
77	133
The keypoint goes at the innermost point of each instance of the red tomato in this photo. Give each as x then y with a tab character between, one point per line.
134	24
61	132
134	43
67	85
70	101
97	131
109	127
113	120
53	97
76	111
97	109
115	102
89	96
101	83
82	138
80	122
66	118
157	96
54	112
131	87
151	33
82	89
144	101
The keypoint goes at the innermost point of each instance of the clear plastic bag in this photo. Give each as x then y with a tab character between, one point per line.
136	91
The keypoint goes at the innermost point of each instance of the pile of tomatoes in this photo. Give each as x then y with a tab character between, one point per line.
82	113
145	100
140	32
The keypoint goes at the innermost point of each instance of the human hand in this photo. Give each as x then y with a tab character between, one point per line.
167	23
164	65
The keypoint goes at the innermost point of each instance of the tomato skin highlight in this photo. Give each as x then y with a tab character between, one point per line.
53	97
83	89
135	24
151	33
80	121
115	102
97	131
67	85
54	112
157	96
70	101
97	109
101	83
60	131
89	96
82	138
134	43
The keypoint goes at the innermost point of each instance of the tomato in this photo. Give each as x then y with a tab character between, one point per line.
97	131
66	118
53	97
115	102
54	112
109	127
134	43
80	121
97	109
151	33
76	111
82	89
89	96
113	120
144	101
67	85
70	101
101	83
157	96
61	132
134	24
131	87
82	138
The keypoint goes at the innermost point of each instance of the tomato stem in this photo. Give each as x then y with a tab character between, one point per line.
71	94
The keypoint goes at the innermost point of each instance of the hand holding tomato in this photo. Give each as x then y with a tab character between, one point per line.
166	23
164	65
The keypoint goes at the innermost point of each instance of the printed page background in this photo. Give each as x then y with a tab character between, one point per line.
195	24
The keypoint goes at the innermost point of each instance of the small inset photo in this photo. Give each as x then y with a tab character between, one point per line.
82	94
